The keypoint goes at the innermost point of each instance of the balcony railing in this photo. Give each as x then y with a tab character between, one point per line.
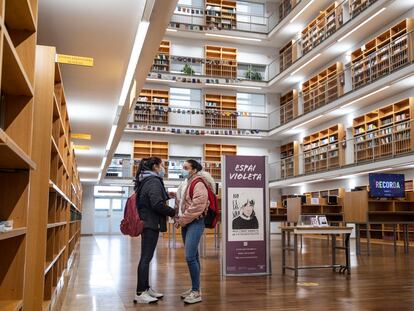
212	117
375	145
193	18
183	68
315	34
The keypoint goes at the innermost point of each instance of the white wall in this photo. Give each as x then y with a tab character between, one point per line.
245	53
88	210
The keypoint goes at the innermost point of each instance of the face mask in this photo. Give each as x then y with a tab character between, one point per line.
162	173
185	173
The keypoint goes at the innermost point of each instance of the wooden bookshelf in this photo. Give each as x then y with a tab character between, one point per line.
212	157
334	213
220	61
383	54
152	107
384	131
323	88
324	150
322	27
220	111
288	106
151	148
287	55
221	14
289	159
18	26
56	191
285	7
162	58
380	216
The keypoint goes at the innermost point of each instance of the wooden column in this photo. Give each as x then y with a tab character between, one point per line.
39	182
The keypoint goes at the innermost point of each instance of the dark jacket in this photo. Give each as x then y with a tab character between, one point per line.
151	203
241	223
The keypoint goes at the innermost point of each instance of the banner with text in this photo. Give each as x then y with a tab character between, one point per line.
246	220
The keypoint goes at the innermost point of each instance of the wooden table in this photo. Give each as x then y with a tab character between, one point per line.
301	231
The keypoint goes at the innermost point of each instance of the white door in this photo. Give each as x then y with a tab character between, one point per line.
108	215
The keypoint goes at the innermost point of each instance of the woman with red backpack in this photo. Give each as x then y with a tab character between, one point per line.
192	204
151	199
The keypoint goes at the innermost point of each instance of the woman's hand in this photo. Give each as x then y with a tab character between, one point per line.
172	195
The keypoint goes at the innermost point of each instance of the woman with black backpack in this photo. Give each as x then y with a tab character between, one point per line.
153	210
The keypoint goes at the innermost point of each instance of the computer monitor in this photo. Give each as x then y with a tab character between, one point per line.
332	199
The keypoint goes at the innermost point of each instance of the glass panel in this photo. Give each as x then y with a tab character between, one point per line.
116	204
102	204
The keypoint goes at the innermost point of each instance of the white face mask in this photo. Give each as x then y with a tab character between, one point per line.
161	173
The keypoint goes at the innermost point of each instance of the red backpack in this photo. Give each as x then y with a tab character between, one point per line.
213	211
131	225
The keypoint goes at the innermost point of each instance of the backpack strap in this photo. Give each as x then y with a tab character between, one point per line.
193	184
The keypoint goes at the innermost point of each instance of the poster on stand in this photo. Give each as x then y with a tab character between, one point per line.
245	213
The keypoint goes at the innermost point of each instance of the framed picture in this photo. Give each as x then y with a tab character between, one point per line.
323	222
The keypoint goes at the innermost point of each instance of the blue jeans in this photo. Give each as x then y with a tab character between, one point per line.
191	237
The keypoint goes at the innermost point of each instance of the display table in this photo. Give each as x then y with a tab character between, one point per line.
301	231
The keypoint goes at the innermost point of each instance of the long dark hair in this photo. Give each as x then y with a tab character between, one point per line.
195	165
146	164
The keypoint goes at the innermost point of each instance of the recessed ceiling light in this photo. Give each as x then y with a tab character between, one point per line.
81	147
361	24
306	122
171	30
301	11
365	96
233	37
305	64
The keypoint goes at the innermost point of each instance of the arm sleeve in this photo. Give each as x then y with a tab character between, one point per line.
198	204
157	200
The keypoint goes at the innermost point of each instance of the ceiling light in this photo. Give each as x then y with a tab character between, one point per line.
161	80
307	182
111	137
133	60
365	96
361	24
313	119
103	163
301	11
236	86
88	169
305	64
232	37
171	30
89	180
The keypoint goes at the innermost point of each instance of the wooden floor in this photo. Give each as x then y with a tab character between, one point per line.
106	280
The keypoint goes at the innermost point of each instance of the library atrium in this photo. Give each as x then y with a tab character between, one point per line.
209	154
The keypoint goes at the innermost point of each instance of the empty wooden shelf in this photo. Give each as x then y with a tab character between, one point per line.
221	61
150	148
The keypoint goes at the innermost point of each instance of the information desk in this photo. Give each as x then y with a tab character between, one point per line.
301	231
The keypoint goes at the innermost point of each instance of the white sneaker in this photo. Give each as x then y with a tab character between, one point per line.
185	294
145	297
153	293
194	297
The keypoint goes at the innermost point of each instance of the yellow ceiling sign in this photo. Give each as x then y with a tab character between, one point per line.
81	136
81	147
74	60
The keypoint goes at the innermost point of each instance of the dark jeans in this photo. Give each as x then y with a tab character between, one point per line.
149	240
192	234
